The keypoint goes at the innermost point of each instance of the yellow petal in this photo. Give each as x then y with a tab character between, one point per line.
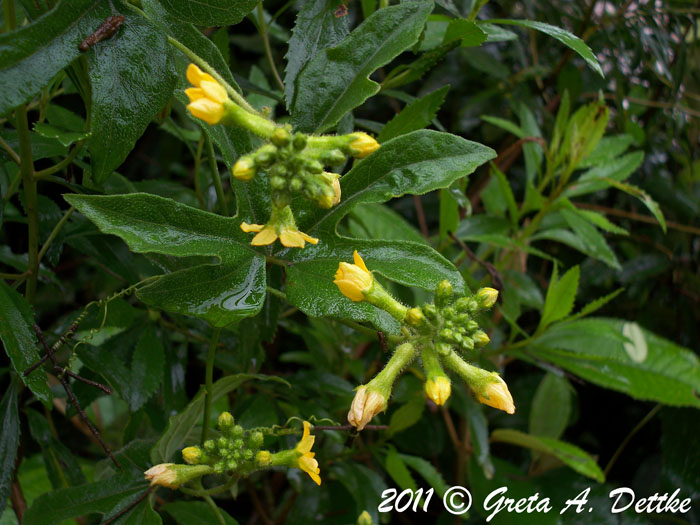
214	91
251	227
358	261
308	238
207	110
194	94
309	465
196	75
292	239
265	237
307	440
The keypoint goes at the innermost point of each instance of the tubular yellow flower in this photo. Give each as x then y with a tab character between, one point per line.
207	98
354	280
365	406
438	389
496	394
487	297
305	460
363	145
281	225
191	455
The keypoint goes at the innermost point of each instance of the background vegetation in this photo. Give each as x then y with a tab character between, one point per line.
564	225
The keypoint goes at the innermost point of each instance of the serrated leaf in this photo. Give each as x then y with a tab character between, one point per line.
64	136
337	79
594	349
560	297
643	196
569	454
195	513
315	29
416	115
9	441
428	472
147	364
31	55
566	38
132	79
20	340
594	243
595	305
209	12
596	178
396	468
407	415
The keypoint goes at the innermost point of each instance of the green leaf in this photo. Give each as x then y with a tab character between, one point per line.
147	363
180	425
560	297
569	454
142	514
132	79
99	497
364	485
468	33
315	29
31	55
427	471
417	115
551	407
650	203
596	304
20	340
64	136
607	149
594	349
195	513
407	415
147	223
336	80
507	193
415	163
396	468
507	125
209	13
600	220
566	38
378	221
9	441
594	243
597	178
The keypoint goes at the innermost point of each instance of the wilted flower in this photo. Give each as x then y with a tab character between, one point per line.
366	404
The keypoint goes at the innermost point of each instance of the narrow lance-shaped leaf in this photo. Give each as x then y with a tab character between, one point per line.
560	297
336	80
9	441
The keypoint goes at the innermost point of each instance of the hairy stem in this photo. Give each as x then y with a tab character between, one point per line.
209	381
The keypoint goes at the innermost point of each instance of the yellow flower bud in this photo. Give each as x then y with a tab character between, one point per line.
414	317
336	191
496	394
438	389
363	145
487	297
365	406
480	338
354	280
364	519
244	169
163	474
263	458
207	98
192	455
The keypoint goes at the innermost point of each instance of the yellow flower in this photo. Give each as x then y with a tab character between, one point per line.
354	280
496	394
244	169
365	406
487	297
263	458
363	145
306	461
207	98
281	225
163	474
438	390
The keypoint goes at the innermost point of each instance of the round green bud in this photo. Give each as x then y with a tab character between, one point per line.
296	183
334	157
225	420
256	439
266	155
209	445
443	349
248	454
457	337
299	141
236	454
414	317
278	170
278	183
480	338
238	443
222	443
219	467
314	167
430	311
443	294
462	304
232	464
467	343
280	137
470	326
447	334
448	313
486	297
237	432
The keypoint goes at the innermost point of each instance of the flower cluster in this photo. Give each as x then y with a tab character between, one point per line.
442	333
294	162
235	451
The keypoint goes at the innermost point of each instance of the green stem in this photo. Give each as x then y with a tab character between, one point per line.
54	232
212	491
12	276
262	29
197	164
60	165
276	293
235	95
215	508
216	176
209	382
10	151
26	167
9	11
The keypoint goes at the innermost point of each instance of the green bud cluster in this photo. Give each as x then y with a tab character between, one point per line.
450	319
233	451
293	168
